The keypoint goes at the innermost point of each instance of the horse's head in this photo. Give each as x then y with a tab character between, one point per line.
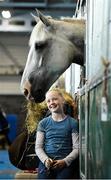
54	45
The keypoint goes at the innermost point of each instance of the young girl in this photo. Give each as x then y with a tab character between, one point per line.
57	140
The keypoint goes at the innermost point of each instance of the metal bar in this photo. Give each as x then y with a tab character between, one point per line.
77	8
37	5
10	56
62	5
89	86
22	5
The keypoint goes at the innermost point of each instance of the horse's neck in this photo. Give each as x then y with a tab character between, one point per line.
76	36
76	33
73	26
74	29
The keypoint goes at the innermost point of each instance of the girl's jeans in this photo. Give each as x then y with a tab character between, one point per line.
64	173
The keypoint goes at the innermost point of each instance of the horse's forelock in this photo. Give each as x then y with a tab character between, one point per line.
38	34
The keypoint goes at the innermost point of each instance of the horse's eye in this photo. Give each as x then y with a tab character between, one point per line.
39	45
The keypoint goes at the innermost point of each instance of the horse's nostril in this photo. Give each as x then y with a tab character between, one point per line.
26	92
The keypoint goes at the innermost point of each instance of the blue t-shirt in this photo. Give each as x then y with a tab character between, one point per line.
58	136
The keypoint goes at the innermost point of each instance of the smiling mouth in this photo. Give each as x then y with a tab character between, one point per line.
53	107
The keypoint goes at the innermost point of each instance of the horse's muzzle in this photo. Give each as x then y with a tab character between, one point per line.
27	91
31	95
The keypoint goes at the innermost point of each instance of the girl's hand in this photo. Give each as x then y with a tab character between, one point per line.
48	163
58	164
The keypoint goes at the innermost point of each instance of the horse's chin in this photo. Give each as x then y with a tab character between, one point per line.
36	99
39	99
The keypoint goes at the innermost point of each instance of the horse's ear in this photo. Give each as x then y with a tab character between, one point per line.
44	19
35	17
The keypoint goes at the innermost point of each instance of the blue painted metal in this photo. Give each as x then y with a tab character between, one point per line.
7	170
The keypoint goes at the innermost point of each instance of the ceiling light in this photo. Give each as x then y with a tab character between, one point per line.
6	14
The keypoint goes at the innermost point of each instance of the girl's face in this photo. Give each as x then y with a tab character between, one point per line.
54	101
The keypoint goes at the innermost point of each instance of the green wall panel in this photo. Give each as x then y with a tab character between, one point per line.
82	135
99	135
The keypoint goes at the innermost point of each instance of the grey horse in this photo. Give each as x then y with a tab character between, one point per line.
54	45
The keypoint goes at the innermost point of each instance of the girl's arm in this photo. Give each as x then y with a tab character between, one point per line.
39	147
75	152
